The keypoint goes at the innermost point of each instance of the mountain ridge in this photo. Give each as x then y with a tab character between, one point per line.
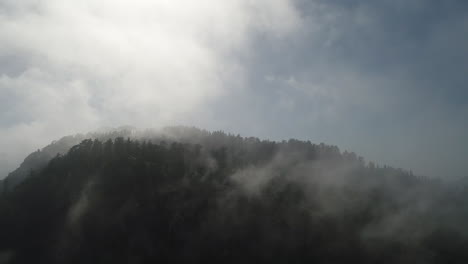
193	196
38	159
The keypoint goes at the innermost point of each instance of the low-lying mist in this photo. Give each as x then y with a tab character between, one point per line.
188	195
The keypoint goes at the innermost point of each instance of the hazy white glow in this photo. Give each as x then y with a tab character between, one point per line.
345	73
93	63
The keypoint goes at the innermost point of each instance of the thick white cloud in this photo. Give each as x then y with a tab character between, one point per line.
85	64
383	78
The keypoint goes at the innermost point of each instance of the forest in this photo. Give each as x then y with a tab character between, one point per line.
193	196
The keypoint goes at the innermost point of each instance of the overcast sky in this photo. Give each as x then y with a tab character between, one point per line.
386	79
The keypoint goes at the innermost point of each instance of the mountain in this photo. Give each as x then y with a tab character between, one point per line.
39	159
184	195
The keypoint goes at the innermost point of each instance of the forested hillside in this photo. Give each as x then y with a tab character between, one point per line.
39	159
192	196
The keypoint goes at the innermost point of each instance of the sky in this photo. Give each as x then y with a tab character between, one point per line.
386	79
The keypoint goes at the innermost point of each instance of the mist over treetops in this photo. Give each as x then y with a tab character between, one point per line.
185	195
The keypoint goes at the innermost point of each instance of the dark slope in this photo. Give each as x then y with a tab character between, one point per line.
209	197
39	159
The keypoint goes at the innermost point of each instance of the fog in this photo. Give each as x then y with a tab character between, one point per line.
189	195
382	78
74	67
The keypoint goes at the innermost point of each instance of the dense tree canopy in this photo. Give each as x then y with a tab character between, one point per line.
198	197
